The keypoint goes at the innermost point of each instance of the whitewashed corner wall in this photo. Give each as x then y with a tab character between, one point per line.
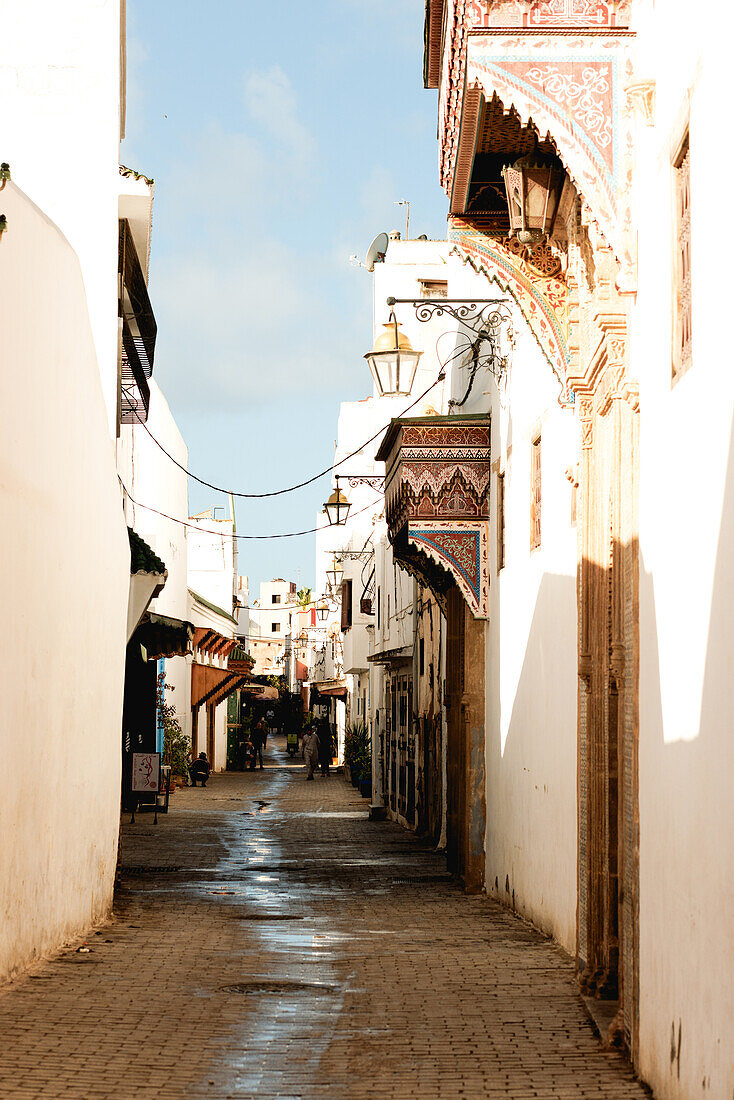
60	94
686	751
64	575
530	681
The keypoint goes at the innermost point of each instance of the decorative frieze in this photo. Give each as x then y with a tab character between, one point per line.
437	503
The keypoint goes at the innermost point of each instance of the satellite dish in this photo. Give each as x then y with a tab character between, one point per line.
376	251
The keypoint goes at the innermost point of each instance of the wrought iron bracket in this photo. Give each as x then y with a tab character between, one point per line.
375	481
481	321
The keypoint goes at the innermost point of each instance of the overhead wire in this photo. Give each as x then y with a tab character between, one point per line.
289	488
233	534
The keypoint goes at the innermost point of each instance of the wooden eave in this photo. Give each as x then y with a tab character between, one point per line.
432	32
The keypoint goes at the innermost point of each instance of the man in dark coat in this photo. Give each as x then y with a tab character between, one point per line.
326	746
199	769
259	735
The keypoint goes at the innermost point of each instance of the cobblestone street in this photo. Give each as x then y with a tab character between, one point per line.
269	940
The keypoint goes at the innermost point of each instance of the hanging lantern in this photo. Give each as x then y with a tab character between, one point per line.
334	575
533	187
337	507
322	611
392	361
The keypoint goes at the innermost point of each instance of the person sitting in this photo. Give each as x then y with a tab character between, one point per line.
199	769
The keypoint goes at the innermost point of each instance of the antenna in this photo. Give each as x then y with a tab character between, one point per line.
376	251
406	203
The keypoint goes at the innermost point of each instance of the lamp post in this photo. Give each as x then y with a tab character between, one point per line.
337	507
393	360
533	186
334	575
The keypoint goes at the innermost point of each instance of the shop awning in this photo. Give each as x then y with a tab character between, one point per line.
211	686
148	575
163	636
212	643
387	656
331	687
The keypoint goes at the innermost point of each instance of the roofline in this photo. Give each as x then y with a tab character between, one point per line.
398	421
432	30
212	606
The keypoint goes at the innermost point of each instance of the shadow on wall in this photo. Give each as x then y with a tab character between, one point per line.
687	850
531	779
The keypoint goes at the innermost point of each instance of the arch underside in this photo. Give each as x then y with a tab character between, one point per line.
442	553
573	93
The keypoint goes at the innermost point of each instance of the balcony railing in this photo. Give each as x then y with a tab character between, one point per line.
139	331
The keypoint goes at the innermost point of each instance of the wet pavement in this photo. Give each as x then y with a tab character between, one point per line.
270	941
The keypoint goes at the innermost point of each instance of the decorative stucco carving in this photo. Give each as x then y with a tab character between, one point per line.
543	300
437	503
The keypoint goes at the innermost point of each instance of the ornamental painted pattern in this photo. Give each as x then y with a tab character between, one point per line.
551	13
569	87
461	548
437	502
542	300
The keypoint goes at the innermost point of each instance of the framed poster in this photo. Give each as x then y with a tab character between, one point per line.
146	771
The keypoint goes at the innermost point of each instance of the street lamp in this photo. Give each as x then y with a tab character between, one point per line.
533	185
334	575
322	610
337	507
393	361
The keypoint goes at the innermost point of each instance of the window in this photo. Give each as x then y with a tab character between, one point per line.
346	604
434	288
535	494
421	656
378	608
683	305
275	598
275	627
500	520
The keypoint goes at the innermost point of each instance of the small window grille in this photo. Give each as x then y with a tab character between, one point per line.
535	494
500	521
683	316
434	288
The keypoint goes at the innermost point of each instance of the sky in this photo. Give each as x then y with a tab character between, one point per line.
279	137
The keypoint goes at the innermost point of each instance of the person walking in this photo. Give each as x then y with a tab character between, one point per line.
259	735
326	747
310	750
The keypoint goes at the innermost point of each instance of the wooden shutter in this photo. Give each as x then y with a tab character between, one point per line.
535	494
346	605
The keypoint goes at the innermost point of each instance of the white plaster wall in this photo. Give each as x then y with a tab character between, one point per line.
154	480
530	746
64	575
60	109
686	755
281	613
212	561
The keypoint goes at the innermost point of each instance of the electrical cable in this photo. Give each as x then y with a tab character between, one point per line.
234	535
290	488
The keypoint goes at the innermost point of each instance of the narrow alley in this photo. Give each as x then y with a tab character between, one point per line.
269	940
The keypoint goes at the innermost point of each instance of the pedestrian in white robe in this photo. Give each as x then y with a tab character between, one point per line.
310	751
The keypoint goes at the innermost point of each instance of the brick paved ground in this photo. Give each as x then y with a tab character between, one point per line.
299	951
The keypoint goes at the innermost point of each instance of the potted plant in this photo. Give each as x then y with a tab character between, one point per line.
175	742
355	740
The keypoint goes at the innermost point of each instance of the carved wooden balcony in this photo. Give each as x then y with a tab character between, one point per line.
437	502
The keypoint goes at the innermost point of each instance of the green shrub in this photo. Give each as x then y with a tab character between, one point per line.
175	742
358	749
